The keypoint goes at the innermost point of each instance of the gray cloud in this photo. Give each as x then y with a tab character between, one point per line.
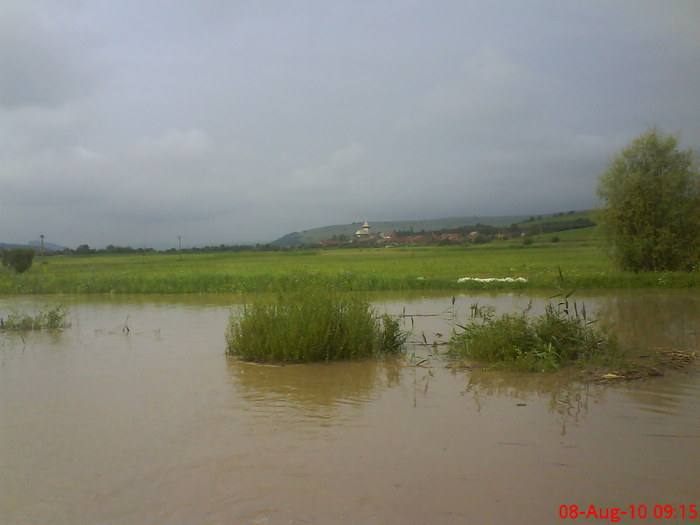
130	122
45	59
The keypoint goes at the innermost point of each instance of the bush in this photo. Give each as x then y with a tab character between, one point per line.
534	344
19	259
314	327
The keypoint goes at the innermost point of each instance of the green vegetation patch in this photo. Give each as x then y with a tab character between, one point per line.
578	253
315	327
519	341
50	319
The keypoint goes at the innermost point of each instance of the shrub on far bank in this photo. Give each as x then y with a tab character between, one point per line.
18	259
313	327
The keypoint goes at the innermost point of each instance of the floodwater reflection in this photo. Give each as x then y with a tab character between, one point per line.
663	319
316	391
565	394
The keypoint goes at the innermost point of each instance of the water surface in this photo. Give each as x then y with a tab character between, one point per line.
154	424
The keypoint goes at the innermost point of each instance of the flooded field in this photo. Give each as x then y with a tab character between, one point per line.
135	415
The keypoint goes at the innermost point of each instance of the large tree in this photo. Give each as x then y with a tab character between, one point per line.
651	215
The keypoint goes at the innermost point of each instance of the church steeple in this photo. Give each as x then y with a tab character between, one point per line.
364	231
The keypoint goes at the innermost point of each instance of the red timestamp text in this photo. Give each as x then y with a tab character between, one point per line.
635	512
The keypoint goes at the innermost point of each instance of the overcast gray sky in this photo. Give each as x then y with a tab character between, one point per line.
133	121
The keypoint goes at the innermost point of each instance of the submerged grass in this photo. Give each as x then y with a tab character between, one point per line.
312	327
519	341
49	319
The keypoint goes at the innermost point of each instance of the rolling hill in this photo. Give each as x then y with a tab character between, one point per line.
48	246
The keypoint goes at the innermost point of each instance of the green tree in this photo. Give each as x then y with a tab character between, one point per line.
651	215
19	259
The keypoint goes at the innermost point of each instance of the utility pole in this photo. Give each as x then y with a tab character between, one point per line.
42	248
179	247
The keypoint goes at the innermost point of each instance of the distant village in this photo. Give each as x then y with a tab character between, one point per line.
470	234
365	235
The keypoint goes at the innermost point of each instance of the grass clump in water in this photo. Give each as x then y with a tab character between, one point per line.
542	343
50	319
317	327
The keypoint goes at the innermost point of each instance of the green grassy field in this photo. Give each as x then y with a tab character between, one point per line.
578	254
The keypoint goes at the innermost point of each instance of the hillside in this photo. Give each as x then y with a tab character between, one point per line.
323	233
48	247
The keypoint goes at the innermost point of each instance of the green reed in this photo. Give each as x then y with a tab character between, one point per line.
302	328
562	335
49	319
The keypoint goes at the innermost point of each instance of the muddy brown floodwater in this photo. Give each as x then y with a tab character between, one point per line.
157	425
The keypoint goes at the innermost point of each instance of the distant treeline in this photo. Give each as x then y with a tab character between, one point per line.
481	229
487	230
234	248
85	249
559	226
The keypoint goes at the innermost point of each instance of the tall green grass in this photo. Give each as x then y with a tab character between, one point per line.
312	327
562	335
